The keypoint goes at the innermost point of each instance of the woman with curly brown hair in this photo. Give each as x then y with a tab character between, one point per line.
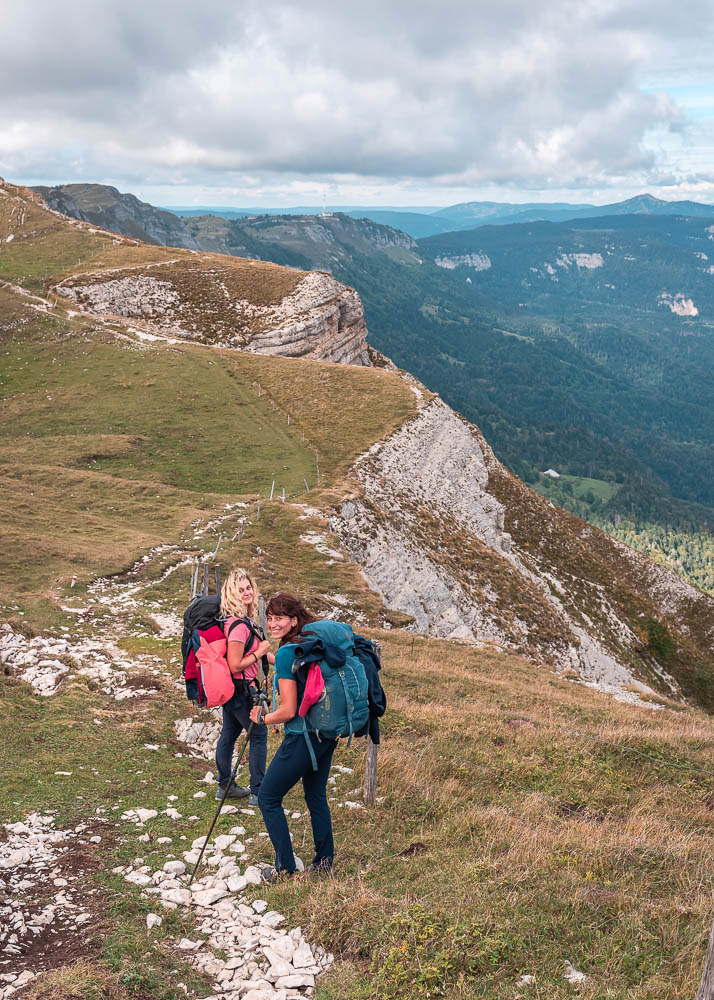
289	621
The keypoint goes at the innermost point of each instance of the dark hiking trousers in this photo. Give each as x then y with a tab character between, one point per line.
236	718
291	763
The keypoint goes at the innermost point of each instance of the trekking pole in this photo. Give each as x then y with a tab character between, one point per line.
263	620
263	702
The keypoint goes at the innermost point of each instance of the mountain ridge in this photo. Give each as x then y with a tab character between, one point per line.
424	491
489	332
104	206
526	826
182	294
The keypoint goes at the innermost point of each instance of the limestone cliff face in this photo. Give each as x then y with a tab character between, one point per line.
428	526
322	319
311	315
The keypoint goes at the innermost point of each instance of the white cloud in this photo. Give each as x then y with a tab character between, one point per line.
258	95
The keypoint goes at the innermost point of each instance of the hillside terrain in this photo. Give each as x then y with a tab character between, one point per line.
178	293
302	241
567	834
104	206
419	222
593	372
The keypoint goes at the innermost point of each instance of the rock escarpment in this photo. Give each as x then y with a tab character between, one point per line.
108	208
249	305
306	315
310	241
322	319
428	526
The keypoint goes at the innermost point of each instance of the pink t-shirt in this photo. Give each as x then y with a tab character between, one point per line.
241	634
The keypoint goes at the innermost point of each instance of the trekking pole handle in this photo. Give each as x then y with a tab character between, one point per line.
263	705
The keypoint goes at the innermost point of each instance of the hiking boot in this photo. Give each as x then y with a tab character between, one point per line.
271	875
322	867
234	792
252	799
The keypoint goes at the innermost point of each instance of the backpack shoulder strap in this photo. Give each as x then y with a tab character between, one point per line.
252	628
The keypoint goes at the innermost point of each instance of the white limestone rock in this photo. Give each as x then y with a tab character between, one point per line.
175	867
207	897
252	875
181	897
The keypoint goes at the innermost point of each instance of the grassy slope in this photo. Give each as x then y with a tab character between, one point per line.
111	447
594	564
464	877
506	883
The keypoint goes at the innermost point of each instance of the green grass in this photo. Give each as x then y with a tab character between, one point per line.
499	847
600	488
462	878
581	486
180	417
110	448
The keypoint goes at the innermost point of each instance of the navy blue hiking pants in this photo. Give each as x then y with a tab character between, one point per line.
291	763
236	718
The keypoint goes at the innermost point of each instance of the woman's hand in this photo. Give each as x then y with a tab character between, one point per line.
255	715
262	649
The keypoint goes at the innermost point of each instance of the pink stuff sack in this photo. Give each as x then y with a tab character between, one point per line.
216	677
314	686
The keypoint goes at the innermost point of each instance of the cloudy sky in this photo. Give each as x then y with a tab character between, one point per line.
392	102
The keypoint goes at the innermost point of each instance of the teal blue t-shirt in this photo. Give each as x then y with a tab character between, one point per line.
284	671
284	662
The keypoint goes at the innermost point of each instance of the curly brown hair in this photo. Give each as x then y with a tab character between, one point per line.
289	606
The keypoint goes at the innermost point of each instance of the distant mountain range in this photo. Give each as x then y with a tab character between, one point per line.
98	203
414	221
479	213
111	342
582	346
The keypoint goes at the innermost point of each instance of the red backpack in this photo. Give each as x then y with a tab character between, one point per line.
208	678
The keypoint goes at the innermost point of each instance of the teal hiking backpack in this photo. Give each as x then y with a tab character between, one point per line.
342	709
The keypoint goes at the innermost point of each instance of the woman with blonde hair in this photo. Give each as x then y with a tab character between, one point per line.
239	605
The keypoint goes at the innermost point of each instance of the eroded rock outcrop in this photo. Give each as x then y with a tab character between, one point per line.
311	315
428	526
322	319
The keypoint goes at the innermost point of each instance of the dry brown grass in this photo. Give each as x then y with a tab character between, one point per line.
48	248
72	521
342	409
82	980
538	845
593	563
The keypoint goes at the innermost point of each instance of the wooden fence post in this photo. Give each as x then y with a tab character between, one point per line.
706	987
370	774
